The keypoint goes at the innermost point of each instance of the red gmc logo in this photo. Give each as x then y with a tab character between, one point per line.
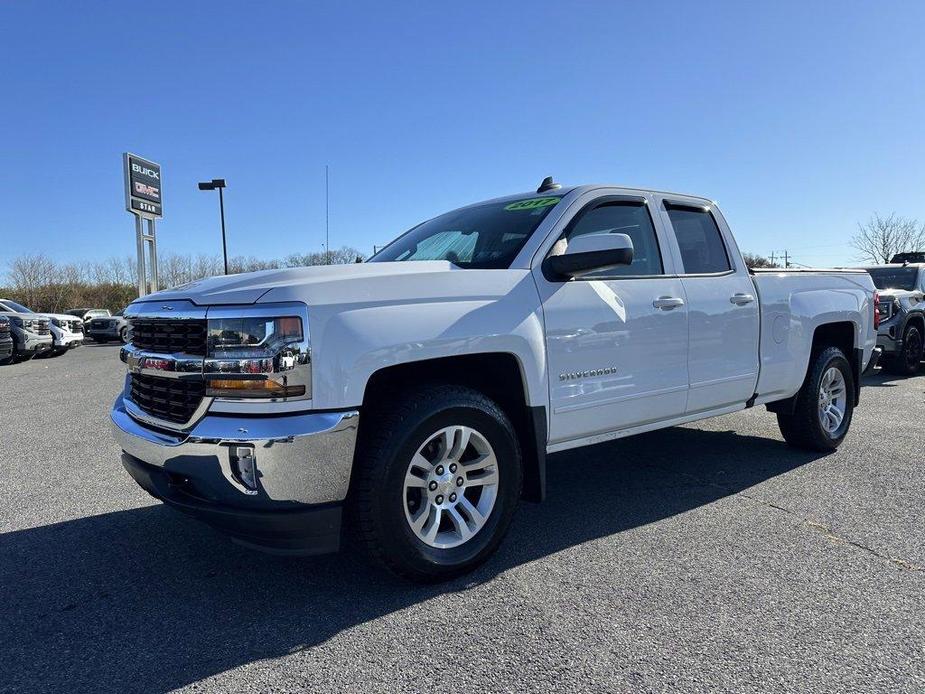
157	364
147	190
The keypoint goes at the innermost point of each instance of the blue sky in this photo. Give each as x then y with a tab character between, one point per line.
799	118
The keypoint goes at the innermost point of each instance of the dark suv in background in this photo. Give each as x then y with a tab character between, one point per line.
101	329
901	335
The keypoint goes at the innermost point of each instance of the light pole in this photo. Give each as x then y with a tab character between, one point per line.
219	183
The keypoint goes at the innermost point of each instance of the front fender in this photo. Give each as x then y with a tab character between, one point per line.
350	343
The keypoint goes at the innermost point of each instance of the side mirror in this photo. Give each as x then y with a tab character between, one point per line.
591	252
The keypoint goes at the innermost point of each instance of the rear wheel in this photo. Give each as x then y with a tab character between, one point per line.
824	406
123	335
438	479
909	360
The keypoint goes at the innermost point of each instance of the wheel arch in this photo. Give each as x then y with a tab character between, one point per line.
500	376
842	334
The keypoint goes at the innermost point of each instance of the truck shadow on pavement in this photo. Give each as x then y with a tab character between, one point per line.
146	599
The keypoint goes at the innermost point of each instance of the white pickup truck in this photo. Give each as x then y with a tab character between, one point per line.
417	395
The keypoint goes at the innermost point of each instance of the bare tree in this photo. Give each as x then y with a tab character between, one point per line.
755	260
881	238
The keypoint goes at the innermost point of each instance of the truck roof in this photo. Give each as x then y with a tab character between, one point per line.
565	190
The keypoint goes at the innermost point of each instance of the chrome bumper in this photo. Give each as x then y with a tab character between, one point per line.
301	458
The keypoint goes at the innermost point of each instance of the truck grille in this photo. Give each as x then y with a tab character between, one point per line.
171	399
169	336
42	327
76	326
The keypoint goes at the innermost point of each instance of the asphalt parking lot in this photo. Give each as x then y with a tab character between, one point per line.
700	558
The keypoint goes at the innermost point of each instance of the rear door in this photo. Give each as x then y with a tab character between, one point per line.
723	316
616	339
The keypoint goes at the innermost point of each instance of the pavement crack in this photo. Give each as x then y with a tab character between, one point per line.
821	528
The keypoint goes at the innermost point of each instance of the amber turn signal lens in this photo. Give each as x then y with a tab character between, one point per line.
252	389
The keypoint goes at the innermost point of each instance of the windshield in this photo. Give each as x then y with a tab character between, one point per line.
484	236
16	308
894	277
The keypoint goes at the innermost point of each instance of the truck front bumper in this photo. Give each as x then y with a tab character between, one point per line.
6	348
31	343
302	462
104	334
65	341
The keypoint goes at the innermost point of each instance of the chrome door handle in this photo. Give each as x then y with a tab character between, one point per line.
741	299
666	303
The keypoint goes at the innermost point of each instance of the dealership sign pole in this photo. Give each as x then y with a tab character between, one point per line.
143	199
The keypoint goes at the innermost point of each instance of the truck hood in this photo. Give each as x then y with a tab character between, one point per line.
249	288
60	316
26	316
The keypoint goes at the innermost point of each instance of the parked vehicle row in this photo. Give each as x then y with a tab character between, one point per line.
420	399
25	334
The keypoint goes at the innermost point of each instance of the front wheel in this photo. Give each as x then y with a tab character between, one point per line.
438	479
824	405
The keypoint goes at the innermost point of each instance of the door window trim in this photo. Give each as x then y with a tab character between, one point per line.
668	204
631	200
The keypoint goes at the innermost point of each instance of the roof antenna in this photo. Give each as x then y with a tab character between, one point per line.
548	185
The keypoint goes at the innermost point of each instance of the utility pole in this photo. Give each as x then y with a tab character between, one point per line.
786	259
327	216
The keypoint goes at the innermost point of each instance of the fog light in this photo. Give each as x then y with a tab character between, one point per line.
244	467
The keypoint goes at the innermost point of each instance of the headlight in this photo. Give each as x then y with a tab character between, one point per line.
26	324
257	357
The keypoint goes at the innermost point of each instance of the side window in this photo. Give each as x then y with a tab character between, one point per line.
701	244
628	218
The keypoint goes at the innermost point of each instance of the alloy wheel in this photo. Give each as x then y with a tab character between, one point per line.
833	400
450	488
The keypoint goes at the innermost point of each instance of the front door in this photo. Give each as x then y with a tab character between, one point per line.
616	339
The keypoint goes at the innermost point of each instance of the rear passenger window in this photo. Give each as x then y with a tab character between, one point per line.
701	244
631	219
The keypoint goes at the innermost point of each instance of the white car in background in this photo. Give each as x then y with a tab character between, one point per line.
66	330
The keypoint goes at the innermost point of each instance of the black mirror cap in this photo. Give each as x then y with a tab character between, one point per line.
570	265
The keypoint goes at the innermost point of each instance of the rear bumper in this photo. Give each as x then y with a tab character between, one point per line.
302	461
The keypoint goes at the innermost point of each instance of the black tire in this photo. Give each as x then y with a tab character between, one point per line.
123	335
909	360
390	438
7	360
803	428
